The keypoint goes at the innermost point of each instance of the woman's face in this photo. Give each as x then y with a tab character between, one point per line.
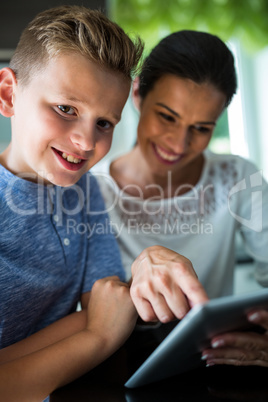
177	119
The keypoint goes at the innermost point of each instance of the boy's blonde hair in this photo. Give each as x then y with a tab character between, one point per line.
77	29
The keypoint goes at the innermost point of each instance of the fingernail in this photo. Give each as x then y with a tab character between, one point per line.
210	364
217	343
204	357
165	319
253	316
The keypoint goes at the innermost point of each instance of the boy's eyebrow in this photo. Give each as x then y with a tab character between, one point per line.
177	114
74	99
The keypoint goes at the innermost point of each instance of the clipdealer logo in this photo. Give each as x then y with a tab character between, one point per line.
53	203
254	222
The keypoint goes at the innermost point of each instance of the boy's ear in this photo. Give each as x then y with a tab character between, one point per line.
135	93
7	86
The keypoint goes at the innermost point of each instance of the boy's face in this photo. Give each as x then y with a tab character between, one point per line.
64	119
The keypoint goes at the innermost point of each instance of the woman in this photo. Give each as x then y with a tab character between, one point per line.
170	190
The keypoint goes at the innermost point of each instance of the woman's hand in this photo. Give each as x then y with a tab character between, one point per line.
164	285
111	313
241	348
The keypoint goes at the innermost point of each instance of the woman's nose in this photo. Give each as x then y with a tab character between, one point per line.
179	140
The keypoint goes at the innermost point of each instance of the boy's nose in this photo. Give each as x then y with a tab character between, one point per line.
84	139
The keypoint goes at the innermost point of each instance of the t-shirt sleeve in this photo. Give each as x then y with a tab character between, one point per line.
103	252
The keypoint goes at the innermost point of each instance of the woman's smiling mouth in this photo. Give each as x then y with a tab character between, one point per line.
166	156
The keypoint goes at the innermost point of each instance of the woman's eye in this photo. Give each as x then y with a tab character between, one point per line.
167	117
66	109
202	129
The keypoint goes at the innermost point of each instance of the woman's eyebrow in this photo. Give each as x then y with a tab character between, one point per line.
168	108
213	123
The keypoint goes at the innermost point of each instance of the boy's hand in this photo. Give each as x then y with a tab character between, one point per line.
111	313
164	285
111	317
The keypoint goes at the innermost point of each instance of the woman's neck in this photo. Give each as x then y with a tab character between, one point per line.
133	175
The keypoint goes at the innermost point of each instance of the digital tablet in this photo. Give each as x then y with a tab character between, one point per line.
181	349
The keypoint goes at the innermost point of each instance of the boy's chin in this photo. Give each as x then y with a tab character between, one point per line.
60	180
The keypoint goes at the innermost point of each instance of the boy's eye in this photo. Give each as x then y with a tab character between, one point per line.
66	109
104	124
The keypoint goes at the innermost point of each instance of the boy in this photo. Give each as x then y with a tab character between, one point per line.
64	91
68	82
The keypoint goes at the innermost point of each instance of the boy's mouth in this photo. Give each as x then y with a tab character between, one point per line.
70	162
70	158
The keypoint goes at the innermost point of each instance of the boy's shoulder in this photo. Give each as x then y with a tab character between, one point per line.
5	175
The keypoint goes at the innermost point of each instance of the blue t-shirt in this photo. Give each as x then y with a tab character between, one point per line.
55	243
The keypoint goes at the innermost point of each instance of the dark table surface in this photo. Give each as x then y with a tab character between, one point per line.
216	383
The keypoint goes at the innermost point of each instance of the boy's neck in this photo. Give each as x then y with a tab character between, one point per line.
3	158
5	162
